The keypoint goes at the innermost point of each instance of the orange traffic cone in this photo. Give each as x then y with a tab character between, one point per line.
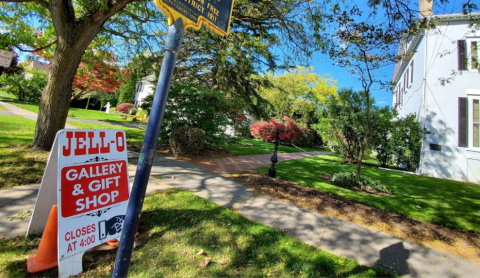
46	256
114	242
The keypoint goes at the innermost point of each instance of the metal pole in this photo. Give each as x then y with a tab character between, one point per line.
272	172
132	217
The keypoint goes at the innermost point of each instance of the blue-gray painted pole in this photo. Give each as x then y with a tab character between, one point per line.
135	204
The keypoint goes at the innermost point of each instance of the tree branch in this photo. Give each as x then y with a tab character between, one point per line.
36	49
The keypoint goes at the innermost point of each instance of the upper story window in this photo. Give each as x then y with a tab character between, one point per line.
468	54
472	51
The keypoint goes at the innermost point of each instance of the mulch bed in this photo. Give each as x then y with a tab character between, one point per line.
460	243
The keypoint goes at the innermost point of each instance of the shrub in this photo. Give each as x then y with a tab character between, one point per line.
113	109
192	105
349	180
289	132
28	89
124	107
187	140
132	111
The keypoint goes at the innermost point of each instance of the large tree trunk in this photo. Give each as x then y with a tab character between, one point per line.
56	95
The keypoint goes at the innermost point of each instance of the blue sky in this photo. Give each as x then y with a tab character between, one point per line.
323	65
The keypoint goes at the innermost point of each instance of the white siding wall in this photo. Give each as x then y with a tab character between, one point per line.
440	112
146	89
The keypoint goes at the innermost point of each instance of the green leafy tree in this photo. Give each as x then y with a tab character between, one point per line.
199	107
72	29
344	122
26	87
298	93
66	31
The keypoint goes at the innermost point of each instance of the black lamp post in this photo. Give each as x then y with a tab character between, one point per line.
272	172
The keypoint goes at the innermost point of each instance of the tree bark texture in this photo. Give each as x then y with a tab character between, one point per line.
73	37
56	95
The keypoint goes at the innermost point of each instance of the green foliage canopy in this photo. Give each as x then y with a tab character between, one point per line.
298	93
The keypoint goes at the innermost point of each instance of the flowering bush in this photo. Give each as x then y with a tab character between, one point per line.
124	107
289	132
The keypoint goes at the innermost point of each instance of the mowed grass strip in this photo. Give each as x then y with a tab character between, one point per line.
245	146
445	202
134	135
18	163
176	225
77	113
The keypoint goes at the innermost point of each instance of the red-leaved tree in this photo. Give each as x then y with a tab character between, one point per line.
290	132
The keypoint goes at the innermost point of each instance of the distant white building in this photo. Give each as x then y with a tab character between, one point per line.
440	82
143	88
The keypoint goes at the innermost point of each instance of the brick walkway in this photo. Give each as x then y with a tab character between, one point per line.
234	164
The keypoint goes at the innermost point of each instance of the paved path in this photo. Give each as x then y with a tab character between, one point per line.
362	244
15	110
234	164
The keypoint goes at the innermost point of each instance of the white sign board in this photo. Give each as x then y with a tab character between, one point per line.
5	58
92	192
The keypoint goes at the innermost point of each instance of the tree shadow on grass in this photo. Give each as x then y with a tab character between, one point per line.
172	235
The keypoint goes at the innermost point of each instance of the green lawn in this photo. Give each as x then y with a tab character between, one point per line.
134	135
6	97
176	225
19	164
246	146
77	113
445	202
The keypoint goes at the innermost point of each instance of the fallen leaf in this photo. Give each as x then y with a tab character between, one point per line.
173	177
223	262
207	261
419	207
201	252
164	195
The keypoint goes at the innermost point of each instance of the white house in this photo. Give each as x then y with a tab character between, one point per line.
440	82
143	88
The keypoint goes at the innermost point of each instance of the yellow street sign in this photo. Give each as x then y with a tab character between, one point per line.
215	14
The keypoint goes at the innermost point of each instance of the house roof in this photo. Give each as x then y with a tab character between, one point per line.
40	66
407	46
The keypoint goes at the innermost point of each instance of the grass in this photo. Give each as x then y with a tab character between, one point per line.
445	202
175	225
77	113
134	135
3	108
6	97
246	146
18	164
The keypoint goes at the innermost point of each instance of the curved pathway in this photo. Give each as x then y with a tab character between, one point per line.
234	164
